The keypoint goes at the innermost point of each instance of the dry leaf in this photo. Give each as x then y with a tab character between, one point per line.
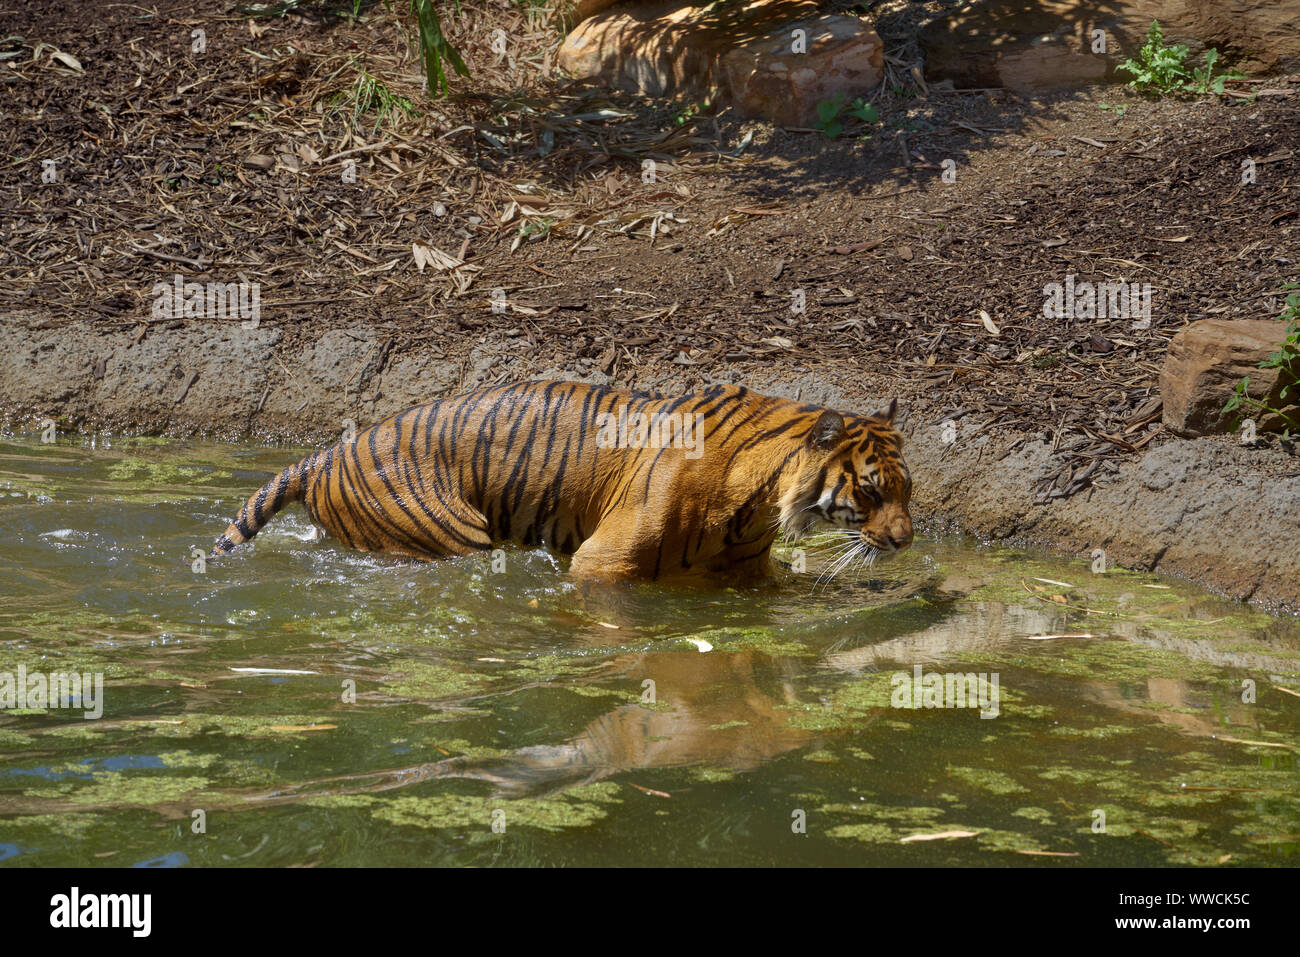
989	324
68	60
431	256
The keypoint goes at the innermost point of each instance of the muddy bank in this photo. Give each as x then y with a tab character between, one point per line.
1209	510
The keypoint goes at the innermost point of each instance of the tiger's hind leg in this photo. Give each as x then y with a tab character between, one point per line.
445	530
424	527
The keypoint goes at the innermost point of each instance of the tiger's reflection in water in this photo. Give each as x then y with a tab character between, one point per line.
720	710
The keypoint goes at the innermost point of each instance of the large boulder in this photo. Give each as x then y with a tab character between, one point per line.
1205	362
1047	44
768	59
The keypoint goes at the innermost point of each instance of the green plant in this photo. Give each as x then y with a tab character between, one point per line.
685	113
830	111
1158	67
535	228
1204	81
369	93
1287	357
1119	109
864	111
1163	69
434	48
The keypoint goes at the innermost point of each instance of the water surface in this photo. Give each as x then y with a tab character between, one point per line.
299	704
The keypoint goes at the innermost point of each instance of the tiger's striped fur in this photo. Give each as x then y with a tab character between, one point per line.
523	463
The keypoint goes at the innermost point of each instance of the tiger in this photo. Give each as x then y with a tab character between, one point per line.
632	485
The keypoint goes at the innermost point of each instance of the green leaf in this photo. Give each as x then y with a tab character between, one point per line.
827	110
865	112
435	49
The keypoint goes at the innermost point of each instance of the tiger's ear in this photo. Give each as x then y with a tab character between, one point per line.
887	415
828	431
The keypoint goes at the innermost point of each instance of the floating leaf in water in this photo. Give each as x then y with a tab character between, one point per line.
302	727
1049	853
941	836
1257	744
651	791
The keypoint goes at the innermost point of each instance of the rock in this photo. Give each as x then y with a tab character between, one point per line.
1205	362
739	54
583	9
1047	44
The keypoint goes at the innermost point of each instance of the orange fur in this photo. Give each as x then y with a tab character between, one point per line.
532	463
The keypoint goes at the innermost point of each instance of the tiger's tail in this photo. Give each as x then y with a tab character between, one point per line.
289	486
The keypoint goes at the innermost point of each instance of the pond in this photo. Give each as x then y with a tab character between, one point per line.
297	703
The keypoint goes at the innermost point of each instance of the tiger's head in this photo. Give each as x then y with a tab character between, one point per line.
853	476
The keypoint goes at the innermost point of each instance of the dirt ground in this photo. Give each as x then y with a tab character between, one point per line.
514	230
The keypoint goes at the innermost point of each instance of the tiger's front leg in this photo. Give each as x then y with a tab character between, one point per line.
616	552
